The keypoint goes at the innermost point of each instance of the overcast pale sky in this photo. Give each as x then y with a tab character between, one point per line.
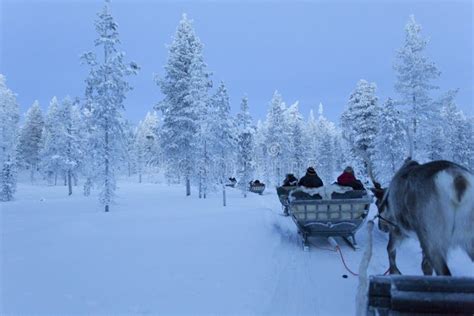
311	51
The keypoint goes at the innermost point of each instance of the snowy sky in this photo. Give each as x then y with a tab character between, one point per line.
311	51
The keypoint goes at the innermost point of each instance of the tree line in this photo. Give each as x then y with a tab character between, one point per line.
192	138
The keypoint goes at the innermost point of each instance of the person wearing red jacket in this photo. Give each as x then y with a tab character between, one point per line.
348	179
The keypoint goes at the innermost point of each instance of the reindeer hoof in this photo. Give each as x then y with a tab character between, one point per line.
395	271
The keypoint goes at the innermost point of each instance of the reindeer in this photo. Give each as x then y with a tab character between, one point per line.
434	200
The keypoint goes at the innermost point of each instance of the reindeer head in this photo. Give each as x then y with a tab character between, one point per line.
381	195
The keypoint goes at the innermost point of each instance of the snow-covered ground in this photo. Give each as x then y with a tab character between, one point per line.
159	252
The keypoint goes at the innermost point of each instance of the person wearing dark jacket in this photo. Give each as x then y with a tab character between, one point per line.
348	179
311	179
290	180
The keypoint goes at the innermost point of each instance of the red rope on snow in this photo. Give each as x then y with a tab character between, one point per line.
344	262
338	249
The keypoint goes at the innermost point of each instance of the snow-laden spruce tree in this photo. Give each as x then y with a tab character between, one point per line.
276	139
468	131
224	131
106	87
415	75
260	152
205	159
185	71
391	142
30	139
359	123
199	99
245	156
325	140
311	131
339	152
9	118
146	143
51	160
72	152
297	146
129	133
455	130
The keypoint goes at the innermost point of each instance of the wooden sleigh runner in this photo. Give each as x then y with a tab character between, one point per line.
330	211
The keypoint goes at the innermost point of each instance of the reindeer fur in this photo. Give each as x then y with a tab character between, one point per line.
435	201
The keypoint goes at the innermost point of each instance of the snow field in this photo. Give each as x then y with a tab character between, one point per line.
158	252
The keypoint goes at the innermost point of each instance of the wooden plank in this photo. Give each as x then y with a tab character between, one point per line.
379	286
437	302
443	284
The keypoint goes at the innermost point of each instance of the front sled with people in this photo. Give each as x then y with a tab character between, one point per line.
256	187
329	211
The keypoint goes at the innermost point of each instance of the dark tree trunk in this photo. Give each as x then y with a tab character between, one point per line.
224	200
188	187
69	182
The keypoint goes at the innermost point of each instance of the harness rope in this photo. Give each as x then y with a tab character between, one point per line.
386	220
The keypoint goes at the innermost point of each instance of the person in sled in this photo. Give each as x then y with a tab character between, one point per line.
290	180
348	179
256	183
311	179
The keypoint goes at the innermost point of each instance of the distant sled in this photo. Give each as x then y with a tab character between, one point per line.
232	182
329	211
257	187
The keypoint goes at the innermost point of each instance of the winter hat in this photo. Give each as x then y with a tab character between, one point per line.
310	171
349	169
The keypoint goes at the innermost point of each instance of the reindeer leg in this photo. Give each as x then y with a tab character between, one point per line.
439	265
426	266
471	254
435	256
393	242
437	259
470	250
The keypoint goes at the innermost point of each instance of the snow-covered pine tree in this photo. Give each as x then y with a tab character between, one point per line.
359	123
200	84
326	158
224	131
146	143
468	131
72	152
391	143
30	139
205	159
50	153
106	88
312	134
91	161
129	140
9	117
415	74
339	152
454	129
276	139
184	70
261	152
297	146
245	159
